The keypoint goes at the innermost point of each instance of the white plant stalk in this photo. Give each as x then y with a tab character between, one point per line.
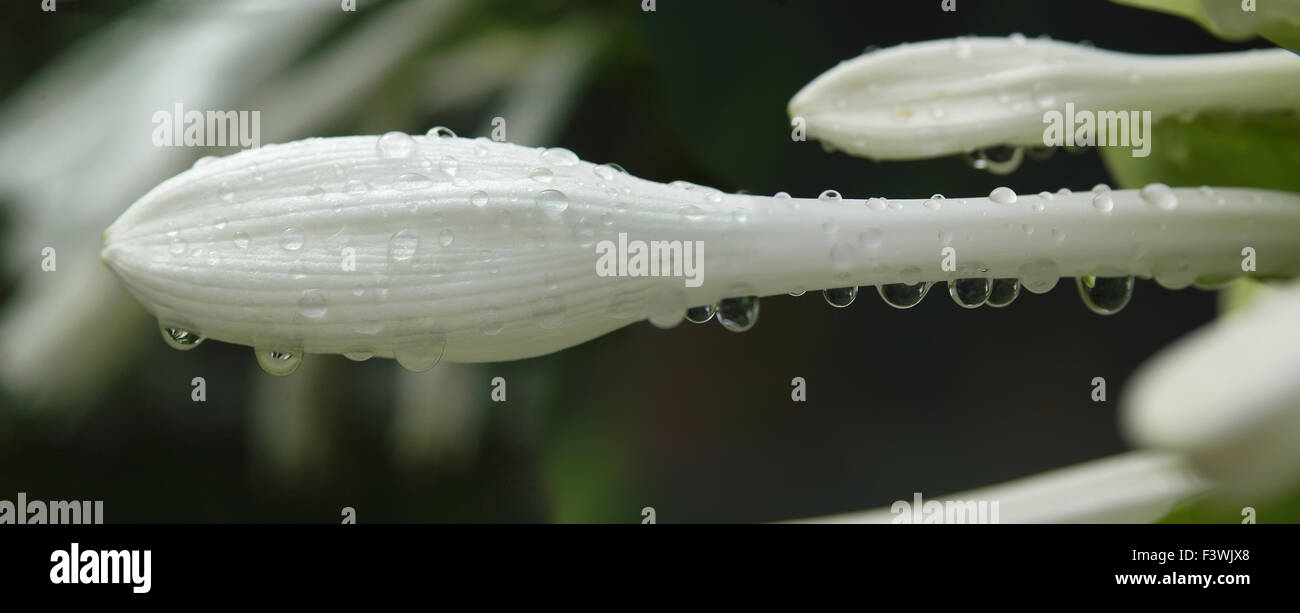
416	247
954	96
1136	487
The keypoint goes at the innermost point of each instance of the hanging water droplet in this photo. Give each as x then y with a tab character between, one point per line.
402	246
970	293
1160	196
278	362
903	295
180	338
1003	292
738	314
559	156
840	297
312	304
1105	295
701	314
799	292
1003	195
552	202
1000	160
358	354
291	239
419	355
394	145
1039	276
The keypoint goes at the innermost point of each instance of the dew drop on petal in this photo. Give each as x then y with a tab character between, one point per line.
701	314
1003	195
840	297
278	361
180	338
970	293
1003	292
291	239
738	314
395	145
1105	295
903	295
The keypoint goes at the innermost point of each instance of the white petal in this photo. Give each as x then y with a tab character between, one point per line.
952	96
1228	396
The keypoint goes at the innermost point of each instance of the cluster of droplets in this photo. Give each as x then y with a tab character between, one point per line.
735	314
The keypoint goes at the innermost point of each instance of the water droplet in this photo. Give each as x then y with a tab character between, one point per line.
542	175
1000	160
1103	202
1003	292
559	156
691	212
446	237
440	132
241	240
738	314
278	362
448	165
876	204
1039	276
478	199
829	195
606	172
291	239
394	145
552	202
1003	195
225	192
799	292
1017	39
312	304
1174	273
871	238
420	354
358	354
403	244
970	293
903	295
411	181
180	338
1160	196
934	202
781	196
1105	295
701	314
840	297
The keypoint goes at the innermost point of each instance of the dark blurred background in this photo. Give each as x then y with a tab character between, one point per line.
696	422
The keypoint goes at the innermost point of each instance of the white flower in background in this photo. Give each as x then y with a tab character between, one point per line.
1230	19
955	96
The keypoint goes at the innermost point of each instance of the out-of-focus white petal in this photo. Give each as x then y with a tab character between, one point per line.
1137	487
488	247
1228	396
953	96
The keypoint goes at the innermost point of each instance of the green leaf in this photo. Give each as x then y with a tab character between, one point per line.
1222	149
1277	21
